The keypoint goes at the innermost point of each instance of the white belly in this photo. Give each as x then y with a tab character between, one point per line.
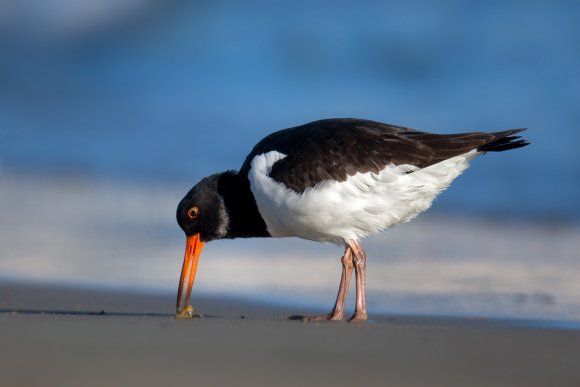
364	204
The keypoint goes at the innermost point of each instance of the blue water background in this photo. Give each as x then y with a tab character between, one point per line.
175	91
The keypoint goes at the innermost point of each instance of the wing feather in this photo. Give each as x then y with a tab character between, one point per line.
337	148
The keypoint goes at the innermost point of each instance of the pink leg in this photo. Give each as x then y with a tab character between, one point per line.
338	310
360	259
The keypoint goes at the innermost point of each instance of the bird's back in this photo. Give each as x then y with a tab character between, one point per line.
334	149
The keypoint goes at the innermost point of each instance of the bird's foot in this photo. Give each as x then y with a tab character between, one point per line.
358	318
333	316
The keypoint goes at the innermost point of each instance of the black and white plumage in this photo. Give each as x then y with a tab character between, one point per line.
336	180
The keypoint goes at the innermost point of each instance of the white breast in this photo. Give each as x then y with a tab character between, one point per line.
364	204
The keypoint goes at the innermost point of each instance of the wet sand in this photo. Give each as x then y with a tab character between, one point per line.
70	337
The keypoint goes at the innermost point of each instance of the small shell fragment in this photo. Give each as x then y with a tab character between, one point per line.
188	313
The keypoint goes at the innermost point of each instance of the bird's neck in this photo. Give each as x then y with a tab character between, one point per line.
245	220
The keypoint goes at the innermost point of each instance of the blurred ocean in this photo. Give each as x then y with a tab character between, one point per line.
111	110
155	90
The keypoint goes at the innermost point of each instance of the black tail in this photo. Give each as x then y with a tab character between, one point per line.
503	141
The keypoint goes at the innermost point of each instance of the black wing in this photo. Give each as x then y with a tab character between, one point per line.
338	148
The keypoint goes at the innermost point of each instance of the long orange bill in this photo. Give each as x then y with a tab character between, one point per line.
192	251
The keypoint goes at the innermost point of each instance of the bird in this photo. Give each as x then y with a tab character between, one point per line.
335	180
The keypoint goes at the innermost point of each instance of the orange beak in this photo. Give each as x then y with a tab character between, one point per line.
192	251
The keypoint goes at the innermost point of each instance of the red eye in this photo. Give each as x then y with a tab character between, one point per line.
193	212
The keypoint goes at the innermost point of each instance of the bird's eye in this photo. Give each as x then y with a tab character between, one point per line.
193	212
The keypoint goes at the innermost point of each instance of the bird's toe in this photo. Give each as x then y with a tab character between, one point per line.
324	317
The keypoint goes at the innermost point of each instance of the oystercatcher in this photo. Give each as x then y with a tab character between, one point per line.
335	180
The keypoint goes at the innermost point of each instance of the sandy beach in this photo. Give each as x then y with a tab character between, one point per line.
87	295
70	337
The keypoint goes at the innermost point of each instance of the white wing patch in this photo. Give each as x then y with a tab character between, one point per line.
364	204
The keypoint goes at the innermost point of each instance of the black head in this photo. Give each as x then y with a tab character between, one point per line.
202	211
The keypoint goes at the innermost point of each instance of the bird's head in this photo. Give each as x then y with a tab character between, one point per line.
202	211
202	215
